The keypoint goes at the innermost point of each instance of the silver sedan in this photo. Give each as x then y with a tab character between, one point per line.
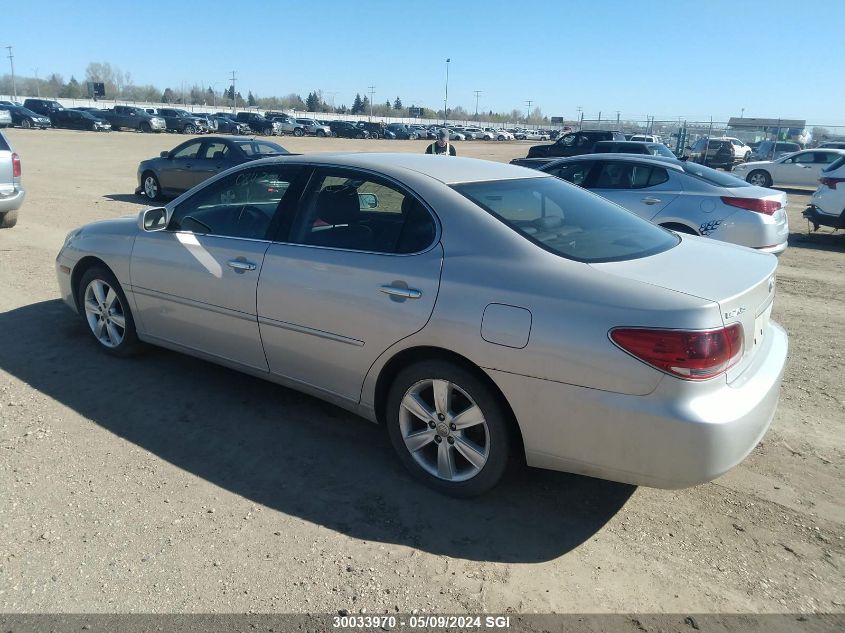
683	196
480	311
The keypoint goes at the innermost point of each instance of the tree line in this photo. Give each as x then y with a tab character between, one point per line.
119	85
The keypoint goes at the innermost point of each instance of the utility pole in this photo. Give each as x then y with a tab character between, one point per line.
234	97
446	98
580	117
37	83
617	119
12	62
372	92
528	103
477	93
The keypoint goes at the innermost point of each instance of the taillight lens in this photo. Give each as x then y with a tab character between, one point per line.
16	166
691	355
831	182
758	205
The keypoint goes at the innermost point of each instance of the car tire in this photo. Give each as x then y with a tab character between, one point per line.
267	131
360	135
146	128
189	129
747	157
461	462
321	133
297	131
150	186
759	178
375	136
8	219
106	312
26	124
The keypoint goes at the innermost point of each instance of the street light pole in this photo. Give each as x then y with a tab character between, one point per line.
527	110
37	83
446	98
372	94
477	93
12	62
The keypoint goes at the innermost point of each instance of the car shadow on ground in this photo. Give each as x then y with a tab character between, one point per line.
129	197
824	239
294	453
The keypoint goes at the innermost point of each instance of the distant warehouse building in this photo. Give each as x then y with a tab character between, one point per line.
750	130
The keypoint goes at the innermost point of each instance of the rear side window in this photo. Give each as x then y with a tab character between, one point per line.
4	146
718	178
567	220
575	172
621	175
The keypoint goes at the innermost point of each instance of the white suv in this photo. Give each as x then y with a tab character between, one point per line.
742	153
827	207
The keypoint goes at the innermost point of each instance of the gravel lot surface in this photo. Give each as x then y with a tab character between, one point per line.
168	484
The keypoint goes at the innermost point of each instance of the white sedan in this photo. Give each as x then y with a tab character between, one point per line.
801	169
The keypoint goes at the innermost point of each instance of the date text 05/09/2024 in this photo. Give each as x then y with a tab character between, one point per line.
427	622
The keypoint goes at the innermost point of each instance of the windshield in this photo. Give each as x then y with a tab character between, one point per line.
719	178
567	220
659	149
260	148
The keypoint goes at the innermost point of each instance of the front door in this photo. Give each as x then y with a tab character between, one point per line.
195	282
177	174
358	270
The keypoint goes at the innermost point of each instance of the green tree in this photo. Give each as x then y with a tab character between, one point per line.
357	105
72	90
312	103
168	96
365	104
397	105
387	105
250	99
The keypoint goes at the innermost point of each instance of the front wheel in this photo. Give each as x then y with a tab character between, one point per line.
747	157
189	129
146	128
106	311
448	428
152	188
759	178
360	135
26	124
298	131
267	131
321	133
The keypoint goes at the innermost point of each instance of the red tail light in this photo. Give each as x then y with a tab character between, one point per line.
758	205
16	166
691	355
831	182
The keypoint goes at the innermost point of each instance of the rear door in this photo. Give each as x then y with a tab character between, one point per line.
357	270
642	188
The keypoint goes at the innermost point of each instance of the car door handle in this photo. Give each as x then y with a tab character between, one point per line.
650	200
405	293
241	265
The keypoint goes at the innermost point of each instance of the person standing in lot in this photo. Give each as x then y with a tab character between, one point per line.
442	144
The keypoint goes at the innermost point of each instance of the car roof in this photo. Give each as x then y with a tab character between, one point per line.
449	171
663	161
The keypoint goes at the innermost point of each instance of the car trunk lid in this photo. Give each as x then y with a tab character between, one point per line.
740	280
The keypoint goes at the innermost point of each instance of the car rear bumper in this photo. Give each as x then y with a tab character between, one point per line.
682	434
11	201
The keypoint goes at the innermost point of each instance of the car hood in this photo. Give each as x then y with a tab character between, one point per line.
756	163
125	226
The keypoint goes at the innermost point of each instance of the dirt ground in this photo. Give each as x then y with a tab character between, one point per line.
167	484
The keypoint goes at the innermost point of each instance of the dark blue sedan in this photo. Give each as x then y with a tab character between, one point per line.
197	159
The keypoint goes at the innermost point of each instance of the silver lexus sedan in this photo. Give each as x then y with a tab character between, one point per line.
479	311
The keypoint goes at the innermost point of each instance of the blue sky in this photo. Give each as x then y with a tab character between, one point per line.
651	57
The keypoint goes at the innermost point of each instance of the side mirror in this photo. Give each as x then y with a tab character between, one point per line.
164	154
153	219
367	201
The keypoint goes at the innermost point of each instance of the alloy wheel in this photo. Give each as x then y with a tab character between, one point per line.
151	187
444	430
104	313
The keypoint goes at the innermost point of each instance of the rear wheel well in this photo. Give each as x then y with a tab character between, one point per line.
679	228
83	266
414	355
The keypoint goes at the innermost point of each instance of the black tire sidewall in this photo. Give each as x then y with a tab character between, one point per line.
144	177
130	338
497	426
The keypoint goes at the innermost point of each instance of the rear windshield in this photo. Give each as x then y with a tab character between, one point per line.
257	148
567	220
834	165
720	178
4	146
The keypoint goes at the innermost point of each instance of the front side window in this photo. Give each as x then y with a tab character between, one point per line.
189	150
360	212
216	151
568	140
240	205
567	220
